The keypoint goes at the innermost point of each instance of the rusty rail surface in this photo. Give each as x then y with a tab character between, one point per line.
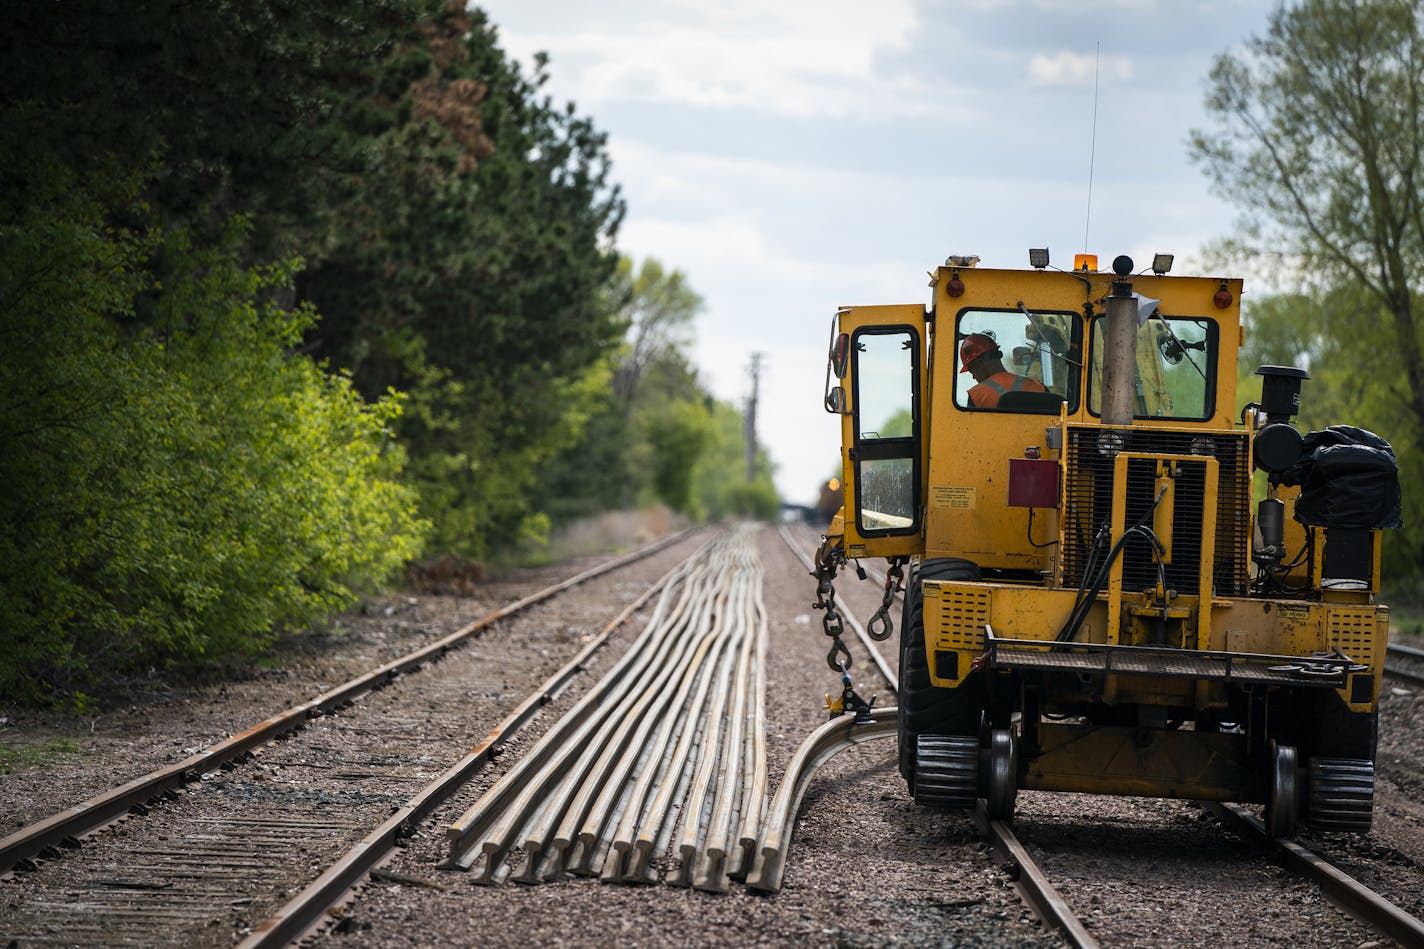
1031	882
308	908
68	825
1349	894
663	758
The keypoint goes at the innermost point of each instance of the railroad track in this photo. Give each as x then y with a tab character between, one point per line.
279	799
612	820
1409	664
1144	871
1343	890
1032	883
840	734
659	771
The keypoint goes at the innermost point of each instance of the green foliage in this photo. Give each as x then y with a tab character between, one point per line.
657	306
678	435
193	460
722	486
467	266
900	424
175	490
17	758
658	435
1316	139
241	98
595	473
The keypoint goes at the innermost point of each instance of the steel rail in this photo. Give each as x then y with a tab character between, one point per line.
720	752
841	733
309	907
597	792
1409	653
70	824
1031	883
754	791
553	760
712	876
821	745
1029	879
885	671
656	749
501	812
596	800
1349	894
770	850
672	784
1407	675
697	802
595	839
654	836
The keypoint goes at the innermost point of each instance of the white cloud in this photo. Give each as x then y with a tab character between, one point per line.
797	58
1067	68
858	146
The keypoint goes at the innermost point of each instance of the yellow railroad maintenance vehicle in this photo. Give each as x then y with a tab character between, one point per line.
1104	596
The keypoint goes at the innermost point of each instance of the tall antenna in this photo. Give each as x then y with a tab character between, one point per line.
1093	148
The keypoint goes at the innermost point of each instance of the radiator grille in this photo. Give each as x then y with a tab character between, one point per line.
963	616
1353	633
1088	497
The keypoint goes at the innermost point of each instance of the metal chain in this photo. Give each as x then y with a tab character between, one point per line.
828	560
881	619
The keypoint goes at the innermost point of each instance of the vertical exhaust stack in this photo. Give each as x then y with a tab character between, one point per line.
1120	348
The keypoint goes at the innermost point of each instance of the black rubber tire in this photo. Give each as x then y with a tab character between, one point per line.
1342	795
925	709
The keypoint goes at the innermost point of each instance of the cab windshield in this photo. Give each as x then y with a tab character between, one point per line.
1041	346
1176	368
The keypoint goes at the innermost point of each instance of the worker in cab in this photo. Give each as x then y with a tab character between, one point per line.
980	356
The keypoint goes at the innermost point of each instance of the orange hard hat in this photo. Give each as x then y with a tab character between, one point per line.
974	346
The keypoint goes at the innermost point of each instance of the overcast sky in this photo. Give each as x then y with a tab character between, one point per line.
792	156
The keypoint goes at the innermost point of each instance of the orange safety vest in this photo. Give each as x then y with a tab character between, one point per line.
986	394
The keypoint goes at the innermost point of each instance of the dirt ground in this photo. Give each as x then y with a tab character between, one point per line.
867	868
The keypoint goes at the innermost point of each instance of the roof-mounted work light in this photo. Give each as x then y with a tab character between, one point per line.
1038	257
1161	263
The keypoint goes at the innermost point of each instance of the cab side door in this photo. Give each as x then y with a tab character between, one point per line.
879	359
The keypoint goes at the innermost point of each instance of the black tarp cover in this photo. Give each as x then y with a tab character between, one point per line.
1349	478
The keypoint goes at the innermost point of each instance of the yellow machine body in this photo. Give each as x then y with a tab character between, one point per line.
1172	670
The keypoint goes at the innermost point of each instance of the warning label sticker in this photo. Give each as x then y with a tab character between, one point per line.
954	498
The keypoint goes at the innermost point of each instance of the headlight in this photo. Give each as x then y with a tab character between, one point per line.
1202	446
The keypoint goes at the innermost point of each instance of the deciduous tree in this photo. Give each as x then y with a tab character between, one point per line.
1318	137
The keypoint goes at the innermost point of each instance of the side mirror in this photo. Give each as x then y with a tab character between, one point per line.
835	401
840	353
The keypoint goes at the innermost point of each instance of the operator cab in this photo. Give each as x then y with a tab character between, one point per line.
1176	371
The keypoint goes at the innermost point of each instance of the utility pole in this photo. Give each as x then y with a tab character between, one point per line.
751	440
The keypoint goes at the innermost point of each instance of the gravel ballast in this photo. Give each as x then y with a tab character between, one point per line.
866	866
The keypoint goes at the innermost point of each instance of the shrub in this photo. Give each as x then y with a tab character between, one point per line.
177	485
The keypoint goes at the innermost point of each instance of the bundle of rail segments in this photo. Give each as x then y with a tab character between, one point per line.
659	771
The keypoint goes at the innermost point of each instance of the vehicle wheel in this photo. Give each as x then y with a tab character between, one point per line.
1003	779
1283	804
924	709
1342	795
946	771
